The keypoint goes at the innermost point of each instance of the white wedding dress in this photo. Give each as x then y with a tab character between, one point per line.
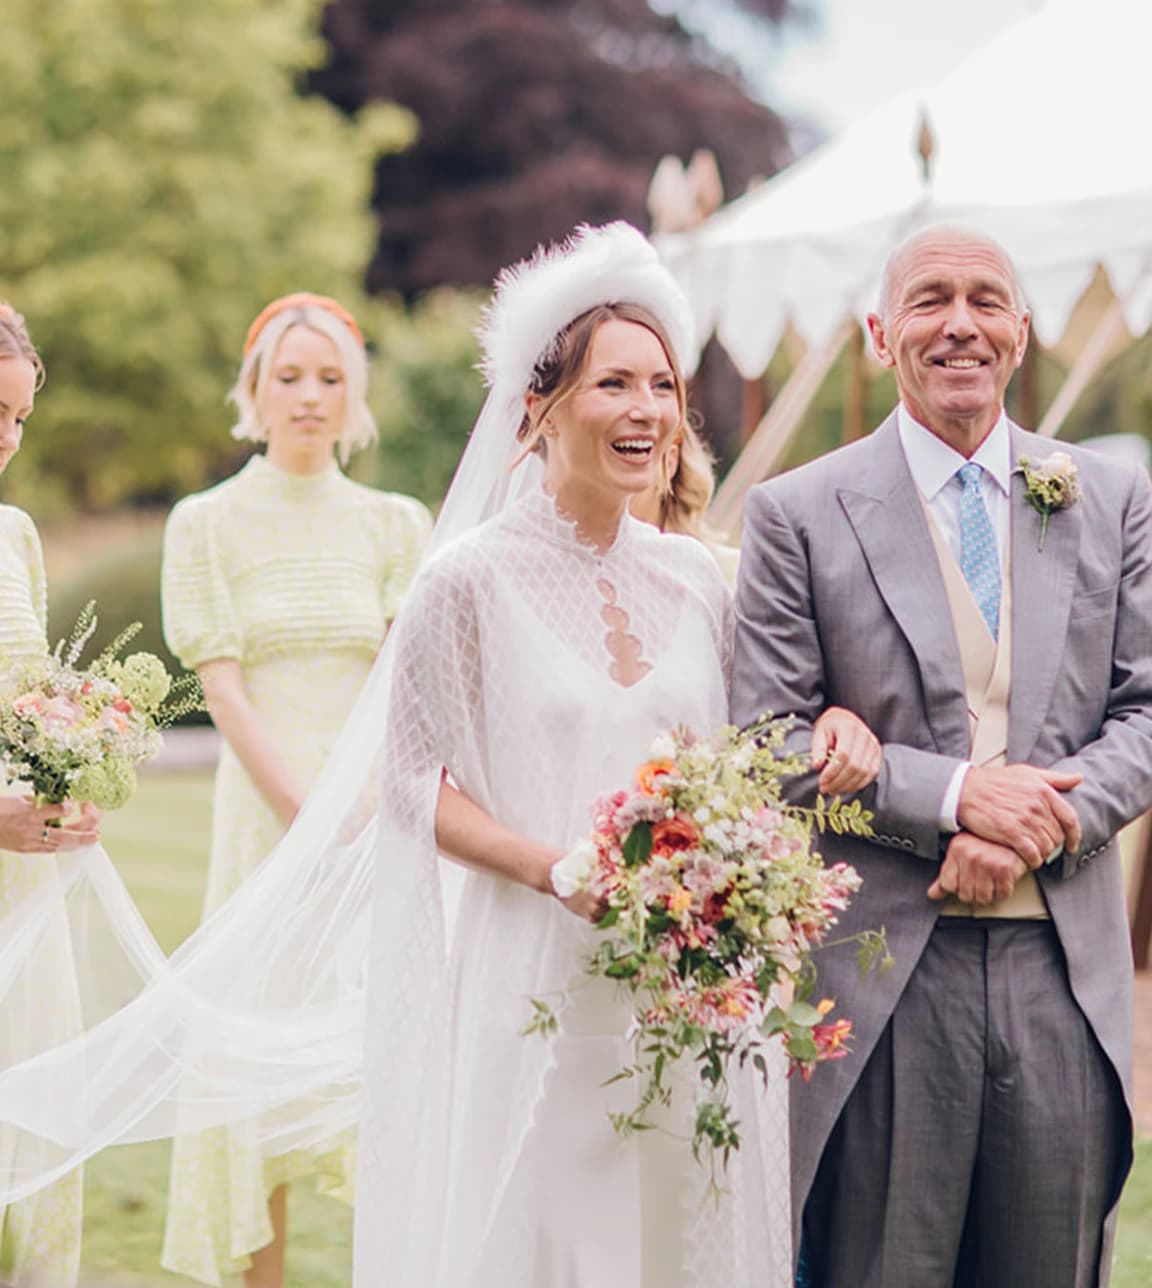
487	1157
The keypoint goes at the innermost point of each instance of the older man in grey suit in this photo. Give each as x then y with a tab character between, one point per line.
979	1134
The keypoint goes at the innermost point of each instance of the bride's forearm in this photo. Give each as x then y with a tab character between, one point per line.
470	835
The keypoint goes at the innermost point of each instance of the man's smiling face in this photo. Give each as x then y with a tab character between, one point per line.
954	329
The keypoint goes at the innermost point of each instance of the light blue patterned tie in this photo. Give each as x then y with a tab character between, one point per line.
979	558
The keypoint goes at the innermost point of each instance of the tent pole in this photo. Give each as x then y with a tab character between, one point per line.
753	404
1088	363
855	389
770	439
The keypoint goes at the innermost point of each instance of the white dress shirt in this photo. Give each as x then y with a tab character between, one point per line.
934	466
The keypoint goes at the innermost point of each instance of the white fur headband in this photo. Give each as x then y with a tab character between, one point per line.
537	298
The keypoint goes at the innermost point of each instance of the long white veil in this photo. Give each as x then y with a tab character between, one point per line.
259	1016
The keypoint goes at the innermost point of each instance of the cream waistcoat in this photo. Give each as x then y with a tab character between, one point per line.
987	682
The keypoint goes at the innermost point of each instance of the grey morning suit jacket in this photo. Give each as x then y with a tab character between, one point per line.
841	602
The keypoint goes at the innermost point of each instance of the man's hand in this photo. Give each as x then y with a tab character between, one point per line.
977	871
1021	807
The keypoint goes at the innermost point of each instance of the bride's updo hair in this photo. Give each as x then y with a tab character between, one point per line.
559	370
15	341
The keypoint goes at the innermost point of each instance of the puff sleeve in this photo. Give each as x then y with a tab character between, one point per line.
408	529
200	624
23	588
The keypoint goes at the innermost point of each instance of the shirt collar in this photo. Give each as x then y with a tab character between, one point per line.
933	463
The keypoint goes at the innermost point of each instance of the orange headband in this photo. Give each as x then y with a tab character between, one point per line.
300	300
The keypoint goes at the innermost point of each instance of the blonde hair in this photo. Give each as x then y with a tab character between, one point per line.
15	341
359	427
687	490
559	370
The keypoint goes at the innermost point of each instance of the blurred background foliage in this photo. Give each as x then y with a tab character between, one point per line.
162	180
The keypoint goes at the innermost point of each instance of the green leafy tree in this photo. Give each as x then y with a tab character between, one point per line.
160	180
426	391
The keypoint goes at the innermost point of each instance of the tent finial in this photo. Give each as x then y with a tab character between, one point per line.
925	146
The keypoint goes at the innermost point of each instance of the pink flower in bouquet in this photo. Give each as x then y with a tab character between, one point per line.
707	875
60	712
605	809
638	809
656	880
113	719
29	705
782	846
769	820
841	882
830	1039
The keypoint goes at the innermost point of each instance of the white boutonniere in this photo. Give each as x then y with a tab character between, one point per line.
1050	484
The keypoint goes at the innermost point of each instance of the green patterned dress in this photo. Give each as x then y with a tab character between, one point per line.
296	578
41	1234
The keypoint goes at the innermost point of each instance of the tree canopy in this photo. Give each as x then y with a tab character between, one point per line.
160	180
534	115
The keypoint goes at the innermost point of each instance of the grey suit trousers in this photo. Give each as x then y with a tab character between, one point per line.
983	1144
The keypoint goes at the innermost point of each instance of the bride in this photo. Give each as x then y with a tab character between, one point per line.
549	638
537	658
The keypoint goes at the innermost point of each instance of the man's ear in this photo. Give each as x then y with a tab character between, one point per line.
879	336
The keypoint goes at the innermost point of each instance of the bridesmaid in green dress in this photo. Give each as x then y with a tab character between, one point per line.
41	1234
278	586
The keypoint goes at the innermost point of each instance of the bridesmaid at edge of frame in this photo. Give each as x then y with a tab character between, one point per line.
40	1242
278	586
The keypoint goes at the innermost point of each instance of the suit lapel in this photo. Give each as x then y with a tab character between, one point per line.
887	516
1042	585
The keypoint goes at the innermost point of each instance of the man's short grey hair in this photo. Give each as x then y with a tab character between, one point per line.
916	239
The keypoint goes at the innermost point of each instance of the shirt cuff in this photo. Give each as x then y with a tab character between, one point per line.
951	802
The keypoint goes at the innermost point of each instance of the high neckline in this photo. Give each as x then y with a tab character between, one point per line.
290	484
547	520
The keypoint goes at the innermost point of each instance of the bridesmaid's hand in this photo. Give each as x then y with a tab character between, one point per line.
846	751
28	828
80	829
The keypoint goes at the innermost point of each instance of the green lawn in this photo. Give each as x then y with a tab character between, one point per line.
160	842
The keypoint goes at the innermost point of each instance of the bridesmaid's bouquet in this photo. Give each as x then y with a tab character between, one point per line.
714	901
78	733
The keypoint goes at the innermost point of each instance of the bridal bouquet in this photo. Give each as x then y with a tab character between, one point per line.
713	897
78	733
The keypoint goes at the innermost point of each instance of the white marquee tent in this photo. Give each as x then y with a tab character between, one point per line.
1043	139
